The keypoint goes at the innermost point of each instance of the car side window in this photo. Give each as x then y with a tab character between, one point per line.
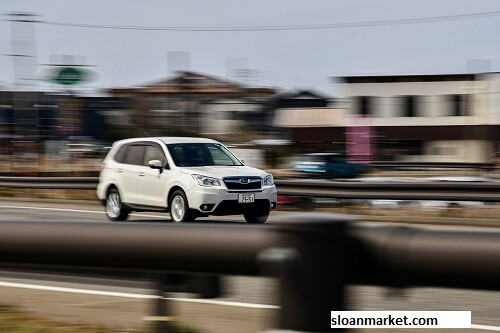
120	154
154	153
134	154
336	159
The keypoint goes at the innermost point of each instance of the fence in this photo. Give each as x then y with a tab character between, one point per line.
431	165
314	256
455	191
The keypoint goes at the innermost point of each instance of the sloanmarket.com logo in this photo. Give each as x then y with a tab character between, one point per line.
388	319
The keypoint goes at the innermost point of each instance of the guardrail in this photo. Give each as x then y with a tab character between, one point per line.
431	165
453	191
88	183
448	191
313	256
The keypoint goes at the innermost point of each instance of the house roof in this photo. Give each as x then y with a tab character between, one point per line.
407	78
187	82
298	94
193	79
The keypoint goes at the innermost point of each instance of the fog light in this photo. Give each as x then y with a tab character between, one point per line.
206	207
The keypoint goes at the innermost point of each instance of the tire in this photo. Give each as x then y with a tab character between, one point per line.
114	208
179	208
258	217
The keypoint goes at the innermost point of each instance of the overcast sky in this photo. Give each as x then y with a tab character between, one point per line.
288	59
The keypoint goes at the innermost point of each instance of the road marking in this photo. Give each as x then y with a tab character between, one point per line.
485	327
227	303
132	295
73	290
190	300
76	210
159	318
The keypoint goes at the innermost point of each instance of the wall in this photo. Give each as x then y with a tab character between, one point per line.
220	117
469	151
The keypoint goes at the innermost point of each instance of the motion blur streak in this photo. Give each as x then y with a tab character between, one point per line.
131	295
76	210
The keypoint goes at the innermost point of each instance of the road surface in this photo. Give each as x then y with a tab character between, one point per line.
249	304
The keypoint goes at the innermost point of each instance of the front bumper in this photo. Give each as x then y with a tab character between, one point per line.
221	201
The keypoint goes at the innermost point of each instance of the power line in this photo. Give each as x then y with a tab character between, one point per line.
286	27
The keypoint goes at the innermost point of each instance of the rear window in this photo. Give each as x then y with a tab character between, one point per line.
336	159
120	154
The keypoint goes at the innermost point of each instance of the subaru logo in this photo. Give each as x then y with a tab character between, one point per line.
244	180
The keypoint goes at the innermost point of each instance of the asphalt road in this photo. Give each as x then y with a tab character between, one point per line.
247	306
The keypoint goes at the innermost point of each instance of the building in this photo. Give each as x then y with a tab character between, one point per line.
228	118
32	117
310	120
431	118
184	104
287	112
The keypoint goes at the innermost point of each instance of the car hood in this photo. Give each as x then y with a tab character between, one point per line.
224	171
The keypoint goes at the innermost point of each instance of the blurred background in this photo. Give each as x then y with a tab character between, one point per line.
324	91
408	84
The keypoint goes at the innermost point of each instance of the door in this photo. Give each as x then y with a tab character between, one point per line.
132	166
151	185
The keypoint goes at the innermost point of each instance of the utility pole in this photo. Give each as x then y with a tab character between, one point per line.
26	118
23	48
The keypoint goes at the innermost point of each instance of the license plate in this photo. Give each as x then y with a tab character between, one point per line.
246	197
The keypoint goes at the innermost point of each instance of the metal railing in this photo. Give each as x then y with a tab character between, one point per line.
454	191
313	256
380	165
88	183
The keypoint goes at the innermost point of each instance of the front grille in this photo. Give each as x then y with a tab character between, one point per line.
243	183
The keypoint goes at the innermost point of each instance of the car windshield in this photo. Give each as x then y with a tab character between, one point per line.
201	154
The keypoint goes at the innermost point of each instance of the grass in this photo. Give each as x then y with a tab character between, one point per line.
12	320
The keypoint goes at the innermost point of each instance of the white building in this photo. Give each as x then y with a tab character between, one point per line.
431	118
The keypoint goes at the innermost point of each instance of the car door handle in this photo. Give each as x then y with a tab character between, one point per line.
141	174
119	170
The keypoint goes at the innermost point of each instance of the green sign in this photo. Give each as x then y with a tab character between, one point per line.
70	75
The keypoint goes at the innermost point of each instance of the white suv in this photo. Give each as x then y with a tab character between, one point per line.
188	177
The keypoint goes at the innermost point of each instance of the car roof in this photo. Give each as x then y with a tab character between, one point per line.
181	139
170	140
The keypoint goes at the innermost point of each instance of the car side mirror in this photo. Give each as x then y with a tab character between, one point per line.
156	164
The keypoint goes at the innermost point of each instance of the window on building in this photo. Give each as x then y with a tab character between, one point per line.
409	106
449	151
459	105
365	105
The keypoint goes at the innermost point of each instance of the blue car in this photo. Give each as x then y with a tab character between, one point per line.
328	165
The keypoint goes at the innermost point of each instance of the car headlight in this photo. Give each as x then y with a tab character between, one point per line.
268	181
206	181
